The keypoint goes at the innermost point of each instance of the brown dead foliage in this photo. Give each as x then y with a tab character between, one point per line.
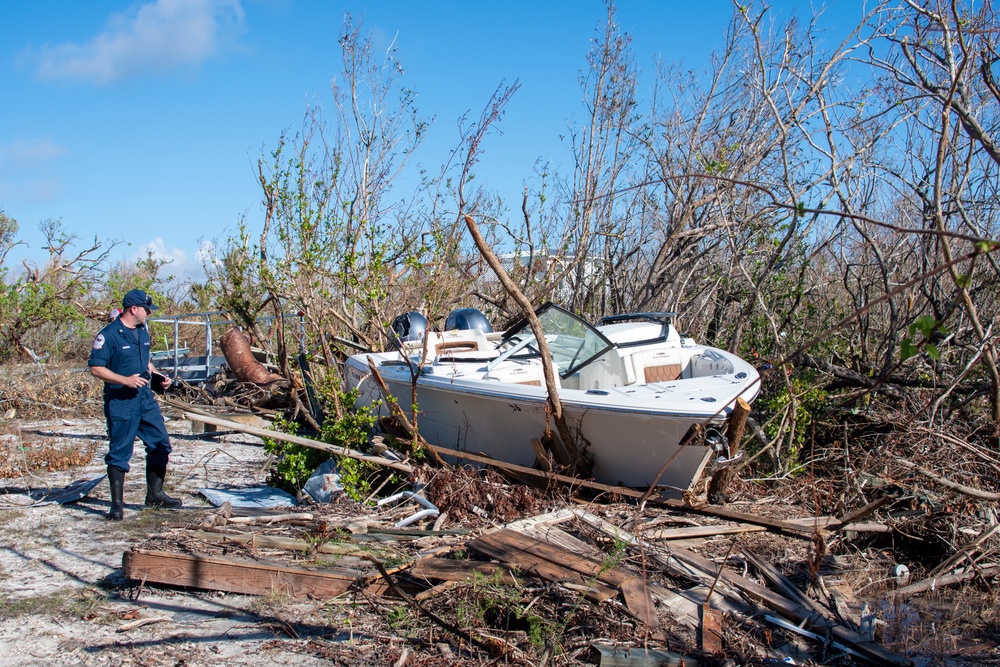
30	392
49	391
228	393
20	457
470	495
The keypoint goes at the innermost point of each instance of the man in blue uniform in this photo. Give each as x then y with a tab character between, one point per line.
120	357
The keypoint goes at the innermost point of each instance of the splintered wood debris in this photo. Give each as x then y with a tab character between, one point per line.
619	586
649	573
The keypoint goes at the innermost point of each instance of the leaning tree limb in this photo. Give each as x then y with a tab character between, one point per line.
571	455
954	486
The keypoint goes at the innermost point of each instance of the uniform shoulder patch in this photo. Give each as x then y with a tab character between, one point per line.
99	341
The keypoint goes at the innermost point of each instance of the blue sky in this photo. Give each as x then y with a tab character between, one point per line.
143	121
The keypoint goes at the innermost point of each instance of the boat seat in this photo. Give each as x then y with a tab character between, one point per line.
461	340
456	346
654	366
603	373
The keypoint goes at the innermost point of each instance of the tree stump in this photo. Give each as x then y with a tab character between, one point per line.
734	435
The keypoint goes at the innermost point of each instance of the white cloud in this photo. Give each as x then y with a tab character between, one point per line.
27	169
157	37
184	269
205	253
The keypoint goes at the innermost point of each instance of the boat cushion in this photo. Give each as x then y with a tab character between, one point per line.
456	346
656	366
664	373
459	340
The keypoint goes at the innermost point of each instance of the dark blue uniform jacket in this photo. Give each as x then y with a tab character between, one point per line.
129	412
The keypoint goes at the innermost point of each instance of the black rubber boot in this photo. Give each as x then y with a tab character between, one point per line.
116	477
155	497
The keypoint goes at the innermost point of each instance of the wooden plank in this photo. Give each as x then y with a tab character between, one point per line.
517	549
683	609
547	519
862	512
842	601
449	569
795	611
948	580
710	630
785	585
540	567
346	551
635	590
953	561
688	532
234	576
588	567
699	595
297	440
541	455
619	656
811	522
786	527
559	537
544	527
639	602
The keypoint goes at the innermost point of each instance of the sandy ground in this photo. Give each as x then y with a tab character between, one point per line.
65	600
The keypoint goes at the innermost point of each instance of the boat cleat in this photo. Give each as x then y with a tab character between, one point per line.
724	461
720	444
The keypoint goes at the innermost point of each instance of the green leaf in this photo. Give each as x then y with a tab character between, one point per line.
907	349
933	352
926	324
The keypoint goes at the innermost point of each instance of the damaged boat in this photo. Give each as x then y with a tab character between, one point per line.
631	387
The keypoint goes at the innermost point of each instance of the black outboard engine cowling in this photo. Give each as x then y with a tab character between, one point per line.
409	326
467	318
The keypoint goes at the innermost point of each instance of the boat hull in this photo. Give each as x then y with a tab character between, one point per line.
629	445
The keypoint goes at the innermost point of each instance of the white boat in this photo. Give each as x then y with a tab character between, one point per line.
631	387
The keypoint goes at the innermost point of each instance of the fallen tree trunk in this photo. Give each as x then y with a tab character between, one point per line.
297	440
236	347
948	580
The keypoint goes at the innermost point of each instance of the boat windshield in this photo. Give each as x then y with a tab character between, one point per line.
573	343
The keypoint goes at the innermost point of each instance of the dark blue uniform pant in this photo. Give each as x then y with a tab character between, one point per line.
130	413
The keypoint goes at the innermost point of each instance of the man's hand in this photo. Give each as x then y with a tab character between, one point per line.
135	381
161	382
164	380
107	375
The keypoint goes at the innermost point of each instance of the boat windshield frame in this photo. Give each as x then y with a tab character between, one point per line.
664	319
567	359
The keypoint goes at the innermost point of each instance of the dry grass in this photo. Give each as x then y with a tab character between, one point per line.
17	458
48	391
30	392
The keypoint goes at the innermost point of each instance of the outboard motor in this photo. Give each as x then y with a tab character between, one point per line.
409	326
467	318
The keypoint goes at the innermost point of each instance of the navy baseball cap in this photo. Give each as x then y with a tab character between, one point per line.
137	297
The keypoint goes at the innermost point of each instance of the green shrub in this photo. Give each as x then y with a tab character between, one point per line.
295	463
